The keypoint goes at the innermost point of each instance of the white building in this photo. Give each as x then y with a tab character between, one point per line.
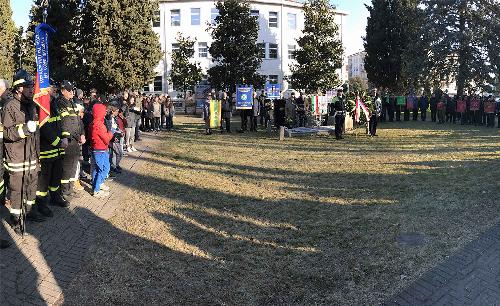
356	65
280	24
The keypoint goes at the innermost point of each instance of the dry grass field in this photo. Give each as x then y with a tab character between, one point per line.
242	219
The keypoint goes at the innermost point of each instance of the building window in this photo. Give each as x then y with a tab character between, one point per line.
156	19
175	18
292	21
175	47
291	51
273	79
273	19
262	47
202	49
273	50
158	83
195	16
254	13
146	87
213	15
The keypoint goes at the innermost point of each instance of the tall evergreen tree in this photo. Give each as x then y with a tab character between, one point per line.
462	35
61	13
320	50
390	40
185	74
7	34
234	48
18	52
116	46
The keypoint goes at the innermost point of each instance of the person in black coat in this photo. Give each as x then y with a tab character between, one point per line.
424	105
255	112
226	112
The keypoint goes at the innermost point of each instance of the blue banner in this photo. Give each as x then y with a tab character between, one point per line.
273	91
42	32
41	96
244	97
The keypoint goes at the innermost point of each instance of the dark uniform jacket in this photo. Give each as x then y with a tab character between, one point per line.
51	135
21	147
71	124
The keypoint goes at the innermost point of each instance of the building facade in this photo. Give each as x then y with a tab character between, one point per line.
356	65
280	25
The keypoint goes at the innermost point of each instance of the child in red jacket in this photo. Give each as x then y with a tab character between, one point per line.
99	142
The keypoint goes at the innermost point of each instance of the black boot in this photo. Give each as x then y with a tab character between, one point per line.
57	199
43	207
34	215
4	244
15	224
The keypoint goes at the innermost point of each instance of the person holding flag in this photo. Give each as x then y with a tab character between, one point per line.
21	147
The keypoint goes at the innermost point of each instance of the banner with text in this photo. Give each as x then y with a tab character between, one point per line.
244	97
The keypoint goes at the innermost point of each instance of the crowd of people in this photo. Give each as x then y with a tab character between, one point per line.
83	138
466	110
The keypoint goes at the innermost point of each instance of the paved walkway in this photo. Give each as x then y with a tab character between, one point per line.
40	266
469	277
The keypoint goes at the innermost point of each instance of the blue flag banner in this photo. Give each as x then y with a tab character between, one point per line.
244	97
42	83
273	91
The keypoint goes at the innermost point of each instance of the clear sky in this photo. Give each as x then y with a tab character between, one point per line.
355	23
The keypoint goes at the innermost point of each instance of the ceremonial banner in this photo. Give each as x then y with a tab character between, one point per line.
244	97
215	113
474	105
489	107
461	106
273	91
42	83
400	100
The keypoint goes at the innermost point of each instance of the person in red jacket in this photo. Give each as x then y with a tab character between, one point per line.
100	138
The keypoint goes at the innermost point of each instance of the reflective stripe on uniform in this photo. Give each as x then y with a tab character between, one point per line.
2	182
1	135
42	193
55	142
66	134
32	162
2	189
54	119
20	130
49	152
64	114
20	168
29	203
65	181
54	188
14	211
49	156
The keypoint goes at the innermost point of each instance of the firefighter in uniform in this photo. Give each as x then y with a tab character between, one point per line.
21	148
52	146
73	131
4	93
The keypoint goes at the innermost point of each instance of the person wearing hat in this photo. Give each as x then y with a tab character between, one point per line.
73	132
21	147
340	109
